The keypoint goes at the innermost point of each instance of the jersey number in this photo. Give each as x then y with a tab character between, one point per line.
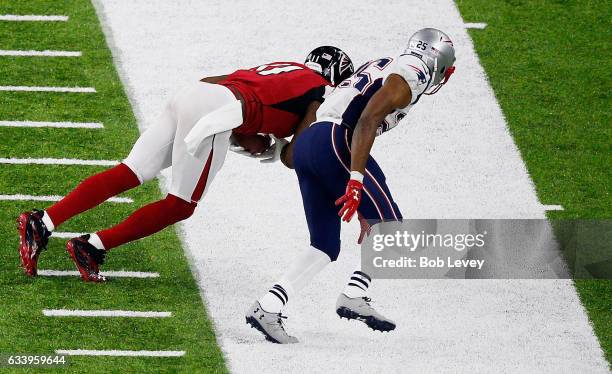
279	68
421	45
361	79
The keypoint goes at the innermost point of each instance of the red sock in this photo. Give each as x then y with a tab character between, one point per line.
147	221
92	192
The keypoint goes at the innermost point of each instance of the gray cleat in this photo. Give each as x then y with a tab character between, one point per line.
269	324
359	308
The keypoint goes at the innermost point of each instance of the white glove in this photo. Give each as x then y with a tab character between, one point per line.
273	153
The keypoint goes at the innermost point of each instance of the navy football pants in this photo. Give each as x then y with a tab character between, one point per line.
322	161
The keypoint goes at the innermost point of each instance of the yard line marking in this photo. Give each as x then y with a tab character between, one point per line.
48	89
476	25
553	207
86	352
124	200
66	235
13	17
113	274
79	125
57	161
45	53
103	313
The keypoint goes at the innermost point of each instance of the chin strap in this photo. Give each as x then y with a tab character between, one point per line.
447	76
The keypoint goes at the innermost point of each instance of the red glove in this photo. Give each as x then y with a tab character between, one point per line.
350	199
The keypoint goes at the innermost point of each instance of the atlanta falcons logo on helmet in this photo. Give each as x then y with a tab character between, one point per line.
331	62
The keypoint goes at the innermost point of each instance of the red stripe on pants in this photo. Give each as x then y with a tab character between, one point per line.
199	190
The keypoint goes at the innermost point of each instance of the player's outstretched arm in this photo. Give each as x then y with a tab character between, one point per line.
395	93
309	117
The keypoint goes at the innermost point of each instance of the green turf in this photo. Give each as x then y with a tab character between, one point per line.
550	65
23	328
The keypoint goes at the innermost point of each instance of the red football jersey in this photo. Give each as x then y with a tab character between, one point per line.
276	96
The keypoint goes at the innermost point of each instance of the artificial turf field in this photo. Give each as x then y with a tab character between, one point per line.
23	328
557	111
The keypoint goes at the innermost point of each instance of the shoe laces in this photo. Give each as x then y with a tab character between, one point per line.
280	319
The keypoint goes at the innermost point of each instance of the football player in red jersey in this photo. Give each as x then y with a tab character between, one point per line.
193	135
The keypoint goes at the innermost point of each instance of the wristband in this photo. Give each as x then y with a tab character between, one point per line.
355	175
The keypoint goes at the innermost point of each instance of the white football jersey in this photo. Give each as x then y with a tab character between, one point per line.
347	101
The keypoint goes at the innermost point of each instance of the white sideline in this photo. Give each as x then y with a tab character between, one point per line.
124	200
76	125
553	207
65	235
103	313
86	352
40	53
476	25
112	274
57	161
13	17
48	89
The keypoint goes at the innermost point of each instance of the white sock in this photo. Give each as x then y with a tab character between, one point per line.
47	221
294	280
94	240
358	284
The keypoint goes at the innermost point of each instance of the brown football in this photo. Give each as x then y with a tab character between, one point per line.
252	143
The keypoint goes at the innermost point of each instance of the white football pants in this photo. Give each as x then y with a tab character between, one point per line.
163	144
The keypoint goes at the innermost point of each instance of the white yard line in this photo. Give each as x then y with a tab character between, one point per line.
88	352
123	200
65	235
48	89
75	125
553	207
110	274
57	161
13	17
454	157
104	313
40	53
477	25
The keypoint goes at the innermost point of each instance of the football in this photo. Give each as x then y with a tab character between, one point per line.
255	144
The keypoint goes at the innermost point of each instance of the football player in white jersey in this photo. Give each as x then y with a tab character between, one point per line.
334	168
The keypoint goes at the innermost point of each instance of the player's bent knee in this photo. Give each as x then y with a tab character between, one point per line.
331	250
179	208
141	173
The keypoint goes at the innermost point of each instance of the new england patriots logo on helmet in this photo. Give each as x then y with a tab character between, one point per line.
420	74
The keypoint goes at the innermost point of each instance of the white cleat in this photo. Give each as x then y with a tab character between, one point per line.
359	308
269	324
